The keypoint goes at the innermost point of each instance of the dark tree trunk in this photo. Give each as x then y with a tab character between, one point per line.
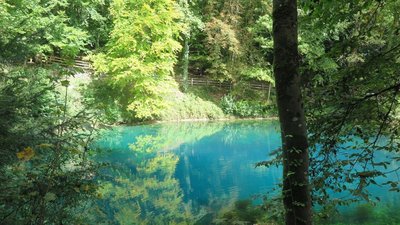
186	48
296	192
185	63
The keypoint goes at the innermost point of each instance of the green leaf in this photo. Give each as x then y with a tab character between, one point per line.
65	83
50	197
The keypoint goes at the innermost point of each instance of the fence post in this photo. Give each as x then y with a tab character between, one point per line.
269	92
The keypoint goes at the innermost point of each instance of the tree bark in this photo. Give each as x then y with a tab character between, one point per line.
185	63
296	192
184	4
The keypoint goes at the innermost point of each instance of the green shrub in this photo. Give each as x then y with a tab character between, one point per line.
188	106
242	212
45	174
246	108
228	104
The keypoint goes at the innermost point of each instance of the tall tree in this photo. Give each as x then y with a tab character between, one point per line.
140	55
191	22
296	192
30	28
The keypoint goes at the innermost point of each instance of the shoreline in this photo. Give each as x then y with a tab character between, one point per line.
229	119
216	120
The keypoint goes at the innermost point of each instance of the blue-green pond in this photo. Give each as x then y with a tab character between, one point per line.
180	173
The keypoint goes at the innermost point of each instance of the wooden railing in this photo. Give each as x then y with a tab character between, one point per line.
199	81
76	63
204	81
193	81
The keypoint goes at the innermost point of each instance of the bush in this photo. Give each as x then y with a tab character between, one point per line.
189	106
246	108
228	104
45	174
243	212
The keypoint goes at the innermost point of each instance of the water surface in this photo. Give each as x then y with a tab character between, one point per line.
184	172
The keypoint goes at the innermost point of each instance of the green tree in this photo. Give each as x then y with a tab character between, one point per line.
45	173
232	45
350	74
32	28
296	191
191	22
140	56
92	16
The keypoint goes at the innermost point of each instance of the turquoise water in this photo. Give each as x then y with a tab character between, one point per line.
181	173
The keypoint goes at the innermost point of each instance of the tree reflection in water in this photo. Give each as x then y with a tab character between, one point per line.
140	187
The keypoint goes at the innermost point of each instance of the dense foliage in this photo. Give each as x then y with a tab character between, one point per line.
46	175
36	28
140	55
352	96
150	43
143	53
349	68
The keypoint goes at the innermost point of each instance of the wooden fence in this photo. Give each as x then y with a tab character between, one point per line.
193	81
204	81
76	63
200	81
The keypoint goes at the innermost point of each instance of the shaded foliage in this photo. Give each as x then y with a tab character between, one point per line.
34	28
46	176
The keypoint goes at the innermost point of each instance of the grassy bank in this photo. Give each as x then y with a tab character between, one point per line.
197	103
213	103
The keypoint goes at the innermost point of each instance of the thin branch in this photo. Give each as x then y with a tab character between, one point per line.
395	87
